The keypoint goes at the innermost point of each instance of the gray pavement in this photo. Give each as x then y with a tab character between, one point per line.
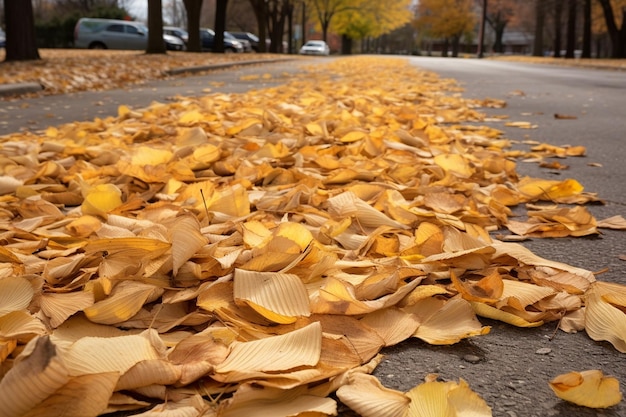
31	114
509	367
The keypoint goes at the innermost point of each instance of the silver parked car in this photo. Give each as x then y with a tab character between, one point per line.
117	34
246	45
176	31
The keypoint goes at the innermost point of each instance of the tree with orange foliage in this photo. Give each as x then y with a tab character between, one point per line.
446	19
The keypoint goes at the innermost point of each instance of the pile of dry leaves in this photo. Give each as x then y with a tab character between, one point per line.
252	254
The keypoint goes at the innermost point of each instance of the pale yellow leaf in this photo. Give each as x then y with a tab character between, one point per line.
430	399
520	294
186	240
88	395
587	388
524	255
454	163
614	222
101	199
124	302
487	311
603	321
392	324
59	306
93	355
149	372
278	353
353	136
20	325
454	321
145	155
369	398
281	298
38	375
446	399
15	294
250	401
348	204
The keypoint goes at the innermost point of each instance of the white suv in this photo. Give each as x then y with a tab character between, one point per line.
117	34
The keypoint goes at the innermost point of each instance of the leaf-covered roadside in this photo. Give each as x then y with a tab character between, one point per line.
252	254
63	71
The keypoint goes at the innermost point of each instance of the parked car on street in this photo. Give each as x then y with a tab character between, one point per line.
207	40
247	36
176	31
117	34
315	47
174	43
247	46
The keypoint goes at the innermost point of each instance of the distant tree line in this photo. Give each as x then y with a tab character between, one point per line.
560	27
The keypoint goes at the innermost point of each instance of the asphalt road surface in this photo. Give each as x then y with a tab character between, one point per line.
510	367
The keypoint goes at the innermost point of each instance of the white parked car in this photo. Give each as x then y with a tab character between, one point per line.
315	48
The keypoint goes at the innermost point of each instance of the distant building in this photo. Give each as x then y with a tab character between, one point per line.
517	42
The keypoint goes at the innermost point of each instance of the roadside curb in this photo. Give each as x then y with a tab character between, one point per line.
19	88
202	68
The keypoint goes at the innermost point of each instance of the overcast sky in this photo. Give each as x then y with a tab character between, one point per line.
137	8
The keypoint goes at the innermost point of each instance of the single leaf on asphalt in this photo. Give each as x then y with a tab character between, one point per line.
613	222
446	399
587	388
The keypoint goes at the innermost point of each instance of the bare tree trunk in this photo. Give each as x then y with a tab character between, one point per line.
277	14
346	45
456	43
445	47
571	29
558	12
481	32
220	25
156	45
290	44
21	42
539	22
261	16
193	8
587	35
498	45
